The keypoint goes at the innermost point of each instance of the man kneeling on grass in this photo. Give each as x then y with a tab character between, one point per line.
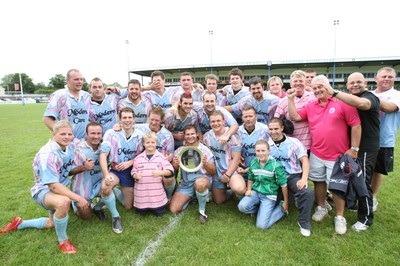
88	181
51	168
193	184
265	176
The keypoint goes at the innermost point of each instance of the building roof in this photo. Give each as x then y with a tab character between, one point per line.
393	61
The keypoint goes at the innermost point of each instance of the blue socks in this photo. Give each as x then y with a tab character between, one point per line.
61	227
118	194
202	200
111	206
38	223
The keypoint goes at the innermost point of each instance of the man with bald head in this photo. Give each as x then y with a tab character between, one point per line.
367	105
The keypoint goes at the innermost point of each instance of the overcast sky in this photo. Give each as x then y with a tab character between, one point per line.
45	38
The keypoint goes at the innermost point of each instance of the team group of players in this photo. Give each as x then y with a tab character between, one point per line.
124	145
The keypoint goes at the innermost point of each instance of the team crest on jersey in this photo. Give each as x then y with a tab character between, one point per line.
332	110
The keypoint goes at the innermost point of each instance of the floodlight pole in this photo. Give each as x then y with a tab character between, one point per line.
335	24
127	56
22	89
269	63
211	33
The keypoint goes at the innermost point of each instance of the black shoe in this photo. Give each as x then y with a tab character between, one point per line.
203	218
100	214
117	225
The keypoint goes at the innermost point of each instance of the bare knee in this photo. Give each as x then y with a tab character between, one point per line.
173	208
201	184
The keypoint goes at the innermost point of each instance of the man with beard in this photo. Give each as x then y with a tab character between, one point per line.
227	157
140	106
264	103
104	107
88	181
177	120
249	133
208	107
196	184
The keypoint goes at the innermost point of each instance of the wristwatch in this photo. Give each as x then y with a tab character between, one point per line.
356	149
335	92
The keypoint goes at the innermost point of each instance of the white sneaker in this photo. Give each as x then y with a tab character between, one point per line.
303	231
328	206
340	225
358	226
374	204
320	213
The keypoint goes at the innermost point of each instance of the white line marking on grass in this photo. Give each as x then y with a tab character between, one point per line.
149	251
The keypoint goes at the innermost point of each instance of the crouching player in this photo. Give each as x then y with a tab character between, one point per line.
193	184
227	158
265	176
87	180
51	168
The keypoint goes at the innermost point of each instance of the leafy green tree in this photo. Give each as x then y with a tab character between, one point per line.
41	88
9	80
57	82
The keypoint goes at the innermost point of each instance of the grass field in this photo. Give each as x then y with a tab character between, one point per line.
229	238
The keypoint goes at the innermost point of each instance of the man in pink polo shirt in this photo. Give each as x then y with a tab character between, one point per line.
301	99
329	120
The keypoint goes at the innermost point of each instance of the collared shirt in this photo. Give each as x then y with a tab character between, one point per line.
165	140
84	182
390	122
260	131
204	120
222	152
265	108
149	190
329	126
106	113
164	101
120	148
288	153
52	165
141	110
301	129
267	180
64	106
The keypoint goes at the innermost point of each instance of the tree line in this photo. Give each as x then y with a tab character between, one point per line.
55	83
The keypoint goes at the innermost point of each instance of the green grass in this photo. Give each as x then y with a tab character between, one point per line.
229	238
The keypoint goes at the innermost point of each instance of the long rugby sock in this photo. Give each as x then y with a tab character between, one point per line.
202	199
111	205
38	223
118	194
169	190
61	228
